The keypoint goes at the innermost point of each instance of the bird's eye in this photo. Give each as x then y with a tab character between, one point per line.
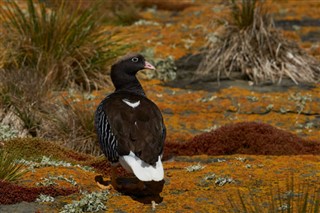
135	59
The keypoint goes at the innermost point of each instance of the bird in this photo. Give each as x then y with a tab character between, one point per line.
129	126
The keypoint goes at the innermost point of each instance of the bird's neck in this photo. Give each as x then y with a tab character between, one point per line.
130	84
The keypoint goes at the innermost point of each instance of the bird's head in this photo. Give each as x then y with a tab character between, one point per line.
130	64
124	70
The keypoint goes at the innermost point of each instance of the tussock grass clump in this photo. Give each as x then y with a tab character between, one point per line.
9	169
65	47
251	48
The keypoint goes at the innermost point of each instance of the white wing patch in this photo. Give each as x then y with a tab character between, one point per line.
131	104
142	170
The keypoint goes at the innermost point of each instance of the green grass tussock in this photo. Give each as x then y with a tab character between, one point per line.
9	169
64	47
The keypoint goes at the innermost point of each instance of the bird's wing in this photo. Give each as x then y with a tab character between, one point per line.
106	138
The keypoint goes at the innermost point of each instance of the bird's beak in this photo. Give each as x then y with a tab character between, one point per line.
149	66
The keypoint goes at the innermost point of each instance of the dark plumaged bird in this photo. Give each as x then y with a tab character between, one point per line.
129	126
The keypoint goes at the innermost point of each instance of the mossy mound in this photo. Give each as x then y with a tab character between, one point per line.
35	148
245	138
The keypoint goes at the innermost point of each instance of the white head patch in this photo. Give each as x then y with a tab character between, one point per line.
131	104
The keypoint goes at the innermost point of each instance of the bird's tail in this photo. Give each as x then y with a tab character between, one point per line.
142	170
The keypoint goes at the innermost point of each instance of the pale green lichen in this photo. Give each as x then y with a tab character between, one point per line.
300	101
212	128
269	107
44	198
46	161
248	166
211	178
242	159
207	99
194	168
50	180
6	132
220	181
252	98
90	202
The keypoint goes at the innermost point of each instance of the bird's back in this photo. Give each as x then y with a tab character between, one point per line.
129	122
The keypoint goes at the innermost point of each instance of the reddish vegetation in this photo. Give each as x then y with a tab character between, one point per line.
244	138
104	167
11	193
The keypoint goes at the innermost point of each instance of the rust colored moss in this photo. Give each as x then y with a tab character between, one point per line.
104	167
11	193
244	138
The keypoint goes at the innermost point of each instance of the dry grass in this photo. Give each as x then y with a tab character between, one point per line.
251	48
23	91
73	124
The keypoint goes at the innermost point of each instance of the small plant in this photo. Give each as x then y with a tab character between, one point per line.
10	170
90	202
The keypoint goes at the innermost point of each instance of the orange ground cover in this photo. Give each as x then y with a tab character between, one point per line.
188	113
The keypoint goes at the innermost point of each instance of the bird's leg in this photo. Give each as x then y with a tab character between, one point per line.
112	184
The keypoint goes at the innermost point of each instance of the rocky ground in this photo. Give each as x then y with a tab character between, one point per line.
199	183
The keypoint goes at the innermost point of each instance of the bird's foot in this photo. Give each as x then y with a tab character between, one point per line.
102	184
